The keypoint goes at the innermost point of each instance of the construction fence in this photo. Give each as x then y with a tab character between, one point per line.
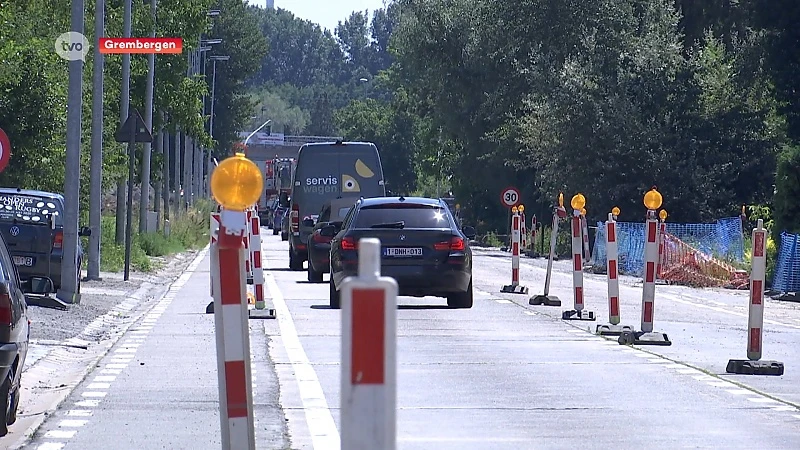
787	267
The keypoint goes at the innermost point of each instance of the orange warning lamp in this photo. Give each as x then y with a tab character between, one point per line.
583	211
662	215
615	211
521	208
514	209
236	183
578	202
653	199
560	199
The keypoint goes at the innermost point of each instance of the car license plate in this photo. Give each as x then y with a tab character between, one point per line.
23	261
402	252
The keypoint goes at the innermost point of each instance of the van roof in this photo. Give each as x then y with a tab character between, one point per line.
337	144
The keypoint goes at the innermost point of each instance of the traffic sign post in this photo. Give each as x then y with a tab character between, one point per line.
755	318
369	354
510	197
546	299
578	312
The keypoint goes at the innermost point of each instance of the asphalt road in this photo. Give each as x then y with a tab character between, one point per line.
502	375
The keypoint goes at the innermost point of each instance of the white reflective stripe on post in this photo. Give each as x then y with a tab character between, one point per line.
515	250
232	334
649	284
585	233
661	232
369	361
553	238
755	317
612	270
577	260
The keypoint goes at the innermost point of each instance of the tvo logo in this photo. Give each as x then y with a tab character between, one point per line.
72	46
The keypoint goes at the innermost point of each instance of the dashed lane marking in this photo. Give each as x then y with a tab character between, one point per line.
503	301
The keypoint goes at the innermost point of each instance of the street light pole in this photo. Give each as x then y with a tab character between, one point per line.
256	131
214	58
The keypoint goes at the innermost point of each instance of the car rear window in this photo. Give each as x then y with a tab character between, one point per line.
28	208
412	216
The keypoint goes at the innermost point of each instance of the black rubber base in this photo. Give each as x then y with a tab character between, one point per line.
747	367
511	289
546	300
578	315
642	338
613	330
262	314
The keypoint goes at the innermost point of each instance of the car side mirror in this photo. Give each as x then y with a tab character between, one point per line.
41	285
469	232
308	222
328	231
85	231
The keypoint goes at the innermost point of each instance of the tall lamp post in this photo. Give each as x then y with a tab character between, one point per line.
254	132
364	80
214	58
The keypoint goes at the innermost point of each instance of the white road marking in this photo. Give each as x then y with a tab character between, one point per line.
60	434
721	384
72	423
503	301
704	378
116	366
783	408
105	379
575	331
738	391
94	394
761	400
79	412
796	416
687	370
51	446
531	313
111	371
320	422
88	403
98	386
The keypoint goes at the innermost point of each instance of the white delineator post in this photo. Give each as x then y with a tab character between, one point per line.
258	271
533	233
650	261
515	249
213	233
755	318
558	212
523	232
662	230
369	360
232	333
585	233
248	254
577	261
612	270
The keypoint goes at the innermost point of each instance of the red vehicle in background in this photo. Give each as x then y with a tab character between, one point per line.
278	174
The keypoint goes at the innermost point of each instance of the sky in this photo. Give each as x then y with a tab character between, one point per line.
327	13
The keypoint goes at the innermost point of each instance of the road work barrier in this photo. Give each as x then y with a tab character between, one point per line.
236	183
369	355
587	254
578	312
523	228
662	232
515	287
214	223
653	201
787	268
693	254
260	311
755	318
612	277
559	212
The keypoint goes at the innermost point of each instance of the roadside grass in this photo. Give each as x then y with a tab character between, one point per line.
188	231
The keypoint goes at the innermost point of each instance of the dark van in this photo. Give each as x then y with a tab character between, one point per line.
327	171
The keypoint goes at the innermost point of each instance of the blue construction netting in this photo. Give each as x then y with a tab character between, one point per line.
787	269
722	240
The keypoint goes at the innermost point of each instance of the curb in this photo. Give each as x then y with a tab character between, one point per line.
52	363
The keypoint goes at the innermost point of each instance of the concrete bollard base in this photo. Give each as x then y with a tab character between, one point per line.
613	330
546	300
747	367
642	338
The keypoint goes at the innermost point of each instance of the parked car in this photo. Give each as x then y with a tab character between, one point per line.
32	224
14	332
422	248
277	219
319	246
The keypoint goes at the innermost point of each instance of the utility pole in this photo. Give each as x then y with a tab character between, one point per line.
159	182
176	173
165	136
124	105
96	174
144	201
68	291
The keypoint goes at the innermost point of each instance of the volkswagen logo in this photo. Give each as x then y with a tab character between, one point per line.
15	231
402	237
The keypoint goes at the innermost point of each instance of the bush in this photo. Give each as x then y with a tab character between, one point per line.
787	191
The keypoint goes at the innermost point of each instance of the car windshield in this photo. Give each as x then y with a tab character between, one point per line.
409	215
28	208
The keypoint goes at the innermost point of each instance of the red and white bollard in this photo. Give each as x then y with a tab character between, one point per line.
578	313
546	299
534	231
612	277
523	232
214	222
232	332
662	231
369	354
248	252
753	365
587	256
514	287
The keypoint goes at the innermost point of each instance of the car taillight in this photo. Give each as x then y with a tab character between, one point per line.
5	310
456	244
294	217
58	240
320	238
349	243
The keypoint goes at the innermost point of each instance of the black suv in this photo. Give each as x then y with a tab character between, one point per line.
422	248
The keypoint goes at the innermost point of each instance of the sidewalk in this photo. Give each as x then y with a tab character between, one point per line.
158	388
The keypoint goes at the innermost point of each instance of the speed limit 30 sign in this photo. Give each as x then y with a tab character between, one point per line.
510	197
